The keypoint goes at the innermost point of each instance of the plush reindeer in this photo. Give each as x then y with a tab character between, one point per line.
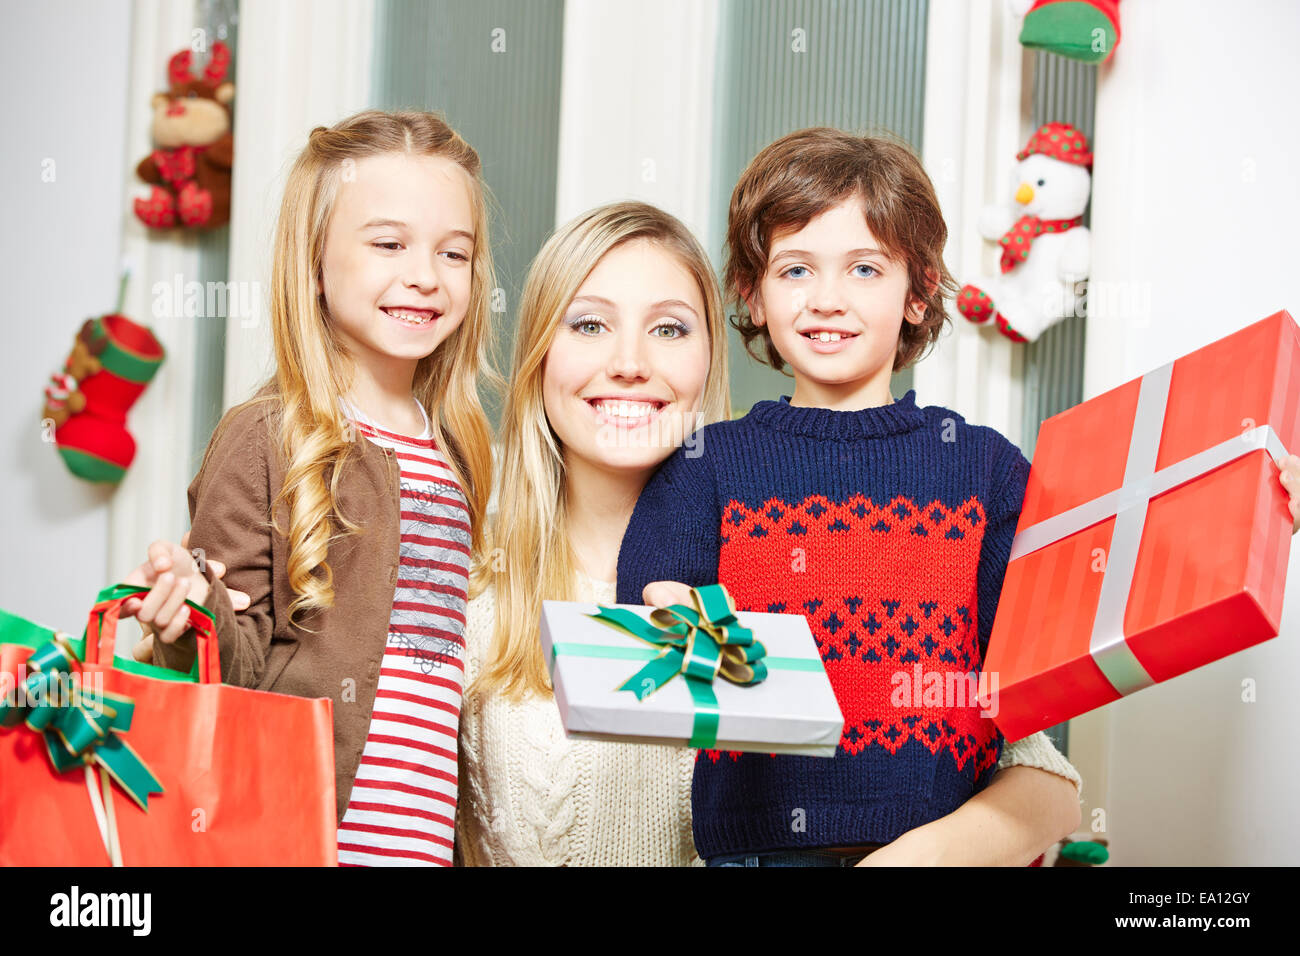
190	168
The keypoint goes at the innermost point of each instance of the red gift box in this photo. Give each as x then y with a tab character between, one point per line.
1154	534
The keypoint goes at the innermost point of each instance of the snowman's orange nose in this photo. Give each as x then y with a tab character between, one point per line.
1025	194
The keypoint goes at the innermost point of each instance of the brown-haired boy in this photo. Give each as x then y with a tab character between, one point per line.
887	525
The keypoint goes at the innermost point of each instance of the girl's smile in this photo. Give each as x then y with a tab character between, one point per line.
414	318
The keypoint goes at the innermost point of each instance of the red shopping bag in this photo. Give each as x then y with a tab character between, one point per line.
246	777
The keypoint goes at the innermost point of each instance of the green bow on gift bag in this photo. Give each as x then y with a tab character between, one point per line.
701	643
79	728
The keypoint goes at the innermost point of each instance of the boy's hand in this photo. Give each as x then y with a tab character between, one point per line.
1291	482
665	593
913	848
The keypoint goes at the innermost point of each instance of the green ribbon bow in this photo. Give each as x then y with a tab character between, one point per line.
78	730
701	643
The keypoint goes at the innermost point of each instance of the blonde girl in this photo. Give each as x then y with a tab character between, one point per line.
346	498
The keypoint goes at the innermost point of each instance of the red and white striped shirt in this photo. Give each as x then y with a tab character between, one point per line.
403	805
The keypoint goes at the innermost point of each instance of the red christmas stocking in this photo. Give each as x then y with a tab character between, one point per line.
94	442
1086	30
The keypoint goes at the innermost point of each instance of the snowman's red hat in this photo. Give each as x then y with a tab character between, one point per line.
1059	141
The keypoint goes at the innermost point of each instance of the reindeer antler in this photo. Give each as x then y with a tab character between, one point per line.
178	68
215	71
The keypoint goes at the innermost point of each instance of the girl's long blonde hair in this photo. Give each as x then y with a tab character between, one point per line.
531	558
313	369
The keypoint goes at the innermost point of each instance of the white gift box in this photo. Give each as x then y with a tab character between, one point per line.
792	711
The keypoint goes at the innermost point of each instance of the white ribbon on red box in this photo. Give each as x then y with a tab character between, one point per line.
1128	504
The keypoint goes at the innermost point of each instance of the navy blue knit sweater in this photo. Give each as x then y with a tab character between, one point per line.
889	529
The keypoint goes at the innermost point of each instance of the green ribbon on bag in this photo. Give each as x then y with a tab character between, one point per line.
79	730
701	643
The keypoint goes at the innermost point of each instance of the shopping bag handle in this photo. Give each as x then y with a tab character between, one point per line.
101	631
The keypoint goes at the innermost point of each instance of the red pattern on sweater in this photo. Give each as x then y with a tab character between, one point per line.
882	587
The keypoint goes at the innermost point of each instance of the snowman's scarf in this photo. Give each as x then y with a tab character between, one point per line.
1015	244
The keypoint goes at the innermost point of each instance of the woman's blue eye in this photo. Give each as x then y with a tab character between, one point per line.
580	324
677	328
872	270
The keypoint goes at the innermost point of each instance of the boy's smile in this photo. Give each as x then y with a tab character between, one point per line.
833	303
827	340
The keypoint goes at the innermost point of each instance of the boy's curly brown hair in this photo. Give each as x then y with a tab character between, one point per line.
803	174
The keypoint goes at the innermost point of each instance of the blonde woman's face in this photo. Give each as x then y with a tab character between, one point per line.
398	251
624	377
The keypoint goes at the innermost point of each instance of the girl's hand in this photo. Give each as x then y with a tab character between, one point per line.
172	577
665	593
1291	482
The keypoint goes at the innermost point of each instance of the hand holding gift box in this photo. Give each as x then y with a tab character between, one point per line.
1144	556
646	675
1290	479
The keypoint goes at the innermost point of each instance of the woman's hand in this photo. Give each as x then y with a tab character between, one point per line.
172	577
1291	482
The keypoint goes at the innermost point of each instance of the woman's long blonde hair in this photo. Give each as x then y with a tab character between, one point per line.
531	558
313	368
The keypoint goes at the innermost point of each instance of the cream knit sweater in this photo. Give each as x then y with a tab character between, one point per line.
531	797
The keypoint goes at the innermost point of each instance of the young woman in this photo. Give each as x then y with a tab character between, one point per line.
621	354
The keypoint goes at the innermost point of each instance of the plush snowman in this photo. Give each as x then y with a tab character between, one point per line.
1045	246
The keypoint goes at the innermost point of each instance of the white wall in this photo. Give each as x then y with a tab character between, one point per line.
636	107
1195	202
975	117
61	249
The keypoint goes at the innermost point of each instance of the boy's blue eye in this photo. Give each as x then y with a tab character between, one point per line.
790	273
871	270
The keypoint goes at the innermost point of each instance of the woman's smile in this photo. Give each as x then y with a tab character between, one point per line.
632	411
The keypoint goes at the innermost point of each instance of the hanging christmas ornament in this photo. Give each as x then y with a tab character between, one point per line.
112	361
1085	30
1046	249
189	168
